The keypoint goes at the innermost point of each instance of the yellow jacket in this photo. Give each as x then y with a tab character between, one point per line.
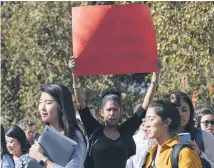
187	157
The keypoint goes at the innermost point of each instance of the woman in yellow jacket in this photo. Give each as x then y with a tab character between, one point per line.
161	122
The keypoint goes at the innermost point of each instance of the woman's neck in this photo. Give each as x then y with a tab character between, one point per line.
57	127
111	128
163	138
181	130
17	155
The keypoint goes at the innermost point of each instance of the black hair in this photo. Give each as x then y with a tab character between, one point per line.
4	144
66	112
176	97
200	111
17	133
165	110
110	94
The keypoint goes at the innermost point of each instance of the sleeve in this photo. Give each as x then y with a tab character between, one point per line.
132	124
79	155
89	122
7	162
129	163
208	139
189	159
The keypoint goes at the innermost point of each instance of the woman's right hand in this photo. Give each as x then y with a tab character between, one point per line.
72	64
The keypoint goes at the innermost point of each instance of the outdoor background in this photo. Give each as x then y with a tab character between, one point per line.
36	43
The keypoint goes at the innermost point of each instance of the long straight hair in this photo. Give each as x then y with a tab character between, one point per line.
66	112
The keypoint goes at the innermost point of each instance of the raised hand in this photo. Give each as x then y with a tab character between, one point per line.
72	64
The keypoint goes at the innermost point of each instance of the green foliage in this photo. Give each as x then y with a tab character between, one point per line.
36	42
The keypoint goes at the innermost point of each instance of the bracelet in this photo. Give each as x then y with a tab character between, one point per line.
155	82
76	86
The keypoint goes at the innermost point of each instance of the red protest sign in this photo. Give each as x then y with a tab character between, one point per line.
113	39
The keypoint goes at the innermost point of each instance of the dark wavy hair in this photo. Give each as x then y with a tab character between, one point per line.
66	112
200	111
166	109
176	97
17	133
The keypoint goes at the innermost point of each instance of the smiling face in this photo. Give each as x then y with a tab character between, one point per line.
111	113
48	108
207	123
153	124
184	112
13	146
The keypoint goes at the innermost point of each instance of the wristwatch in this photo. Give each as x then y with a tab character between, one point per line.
43	161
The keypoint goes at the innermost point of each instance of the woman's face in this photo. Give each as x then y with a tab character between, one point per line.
207	123
13	146
184	112
153	124
111	113
48	108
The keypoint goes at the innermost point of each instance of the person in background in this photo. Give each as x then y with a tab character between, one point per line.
204	118
57	110
161	123
17	145
186	111
6	160
143	144
28	125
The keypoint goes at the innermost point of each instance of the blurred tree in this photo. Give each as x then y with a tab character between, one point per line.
36	44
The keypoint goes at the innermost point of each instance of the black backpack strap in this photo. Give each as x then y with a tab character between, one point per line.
199	139
145	159
175	153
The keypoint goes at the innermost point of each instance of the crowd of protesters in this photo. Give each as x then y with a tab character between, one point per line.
145	140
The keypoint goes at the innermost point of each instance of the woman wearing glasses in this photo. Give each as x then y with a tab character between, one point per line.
161	123
204	118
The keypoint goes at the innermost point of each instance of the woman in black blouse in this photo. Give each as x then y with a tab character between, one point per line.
113	144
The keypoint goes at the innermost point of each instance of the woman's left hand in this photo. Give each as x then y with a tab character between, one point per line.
194	147
36	152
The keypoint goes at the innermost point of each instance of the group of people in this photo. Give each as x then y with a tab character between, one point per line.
146	140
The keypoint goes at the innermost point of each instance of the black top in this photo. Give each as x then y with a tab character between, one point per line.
108	153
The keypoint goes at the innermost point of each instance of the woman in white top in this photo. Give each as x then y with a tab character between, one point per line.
143	144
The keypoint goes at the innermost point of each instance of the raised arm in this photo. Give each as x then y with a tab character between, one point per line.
152	88
78	91
133	123
89	122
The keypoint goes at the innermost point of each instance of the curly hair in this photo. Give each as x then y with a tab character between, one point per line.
26	122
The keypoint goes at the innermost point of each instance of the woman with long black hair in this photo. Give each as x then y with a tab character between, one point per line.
56	109
18	146
6	159
202	141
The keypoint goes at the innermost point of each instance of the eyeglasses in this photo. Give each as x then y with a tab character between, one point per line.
207	122
147	120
